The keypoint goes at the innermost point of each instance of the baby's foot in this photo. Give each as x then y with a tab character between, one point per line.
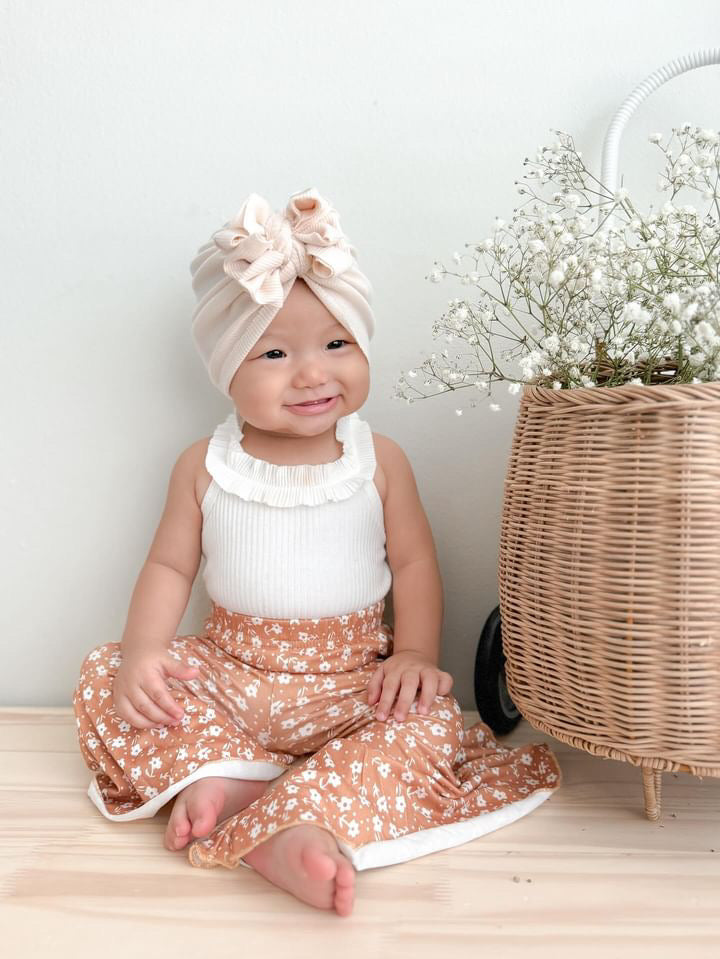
306	861
204	803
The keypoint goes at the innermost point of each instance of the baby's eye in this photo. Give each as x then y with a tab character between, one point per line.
330	344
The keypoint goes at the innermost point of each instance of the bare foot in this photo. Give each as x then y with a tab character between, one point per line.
204	803
306	861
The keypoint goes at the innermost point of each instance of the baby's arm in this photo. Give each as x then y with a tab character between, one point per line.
163	587
417	594
417	586
140	691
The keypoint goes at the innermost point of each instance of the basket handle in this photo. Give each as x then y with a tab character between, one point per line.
611	144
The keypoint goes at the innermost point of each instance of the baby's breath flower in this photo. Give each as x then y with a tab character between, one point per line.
567	298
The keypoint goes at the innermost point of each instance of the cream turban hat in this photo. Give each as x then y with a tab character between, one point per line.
243	275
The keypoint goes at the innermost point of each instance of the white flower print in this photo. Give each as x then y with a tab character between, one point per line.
383	769
356	767
308	775
308	816
87	693
377	824
284	678
400	804
118	742
135	772
345	804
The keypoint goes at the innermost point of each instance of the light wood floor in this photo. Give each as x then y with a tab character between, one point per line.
584	875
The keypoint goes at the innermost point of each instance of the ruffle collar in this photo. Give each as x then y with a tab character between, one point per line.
235	471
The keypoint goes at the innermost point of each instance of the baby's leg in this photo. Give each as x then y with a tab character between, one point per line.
306	862
137	771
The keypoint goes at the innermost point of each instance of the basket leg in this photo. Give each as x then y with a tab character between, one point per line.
652	779
658	789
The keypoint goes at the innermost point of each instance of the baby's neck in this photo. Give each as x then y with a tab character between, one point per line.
283	449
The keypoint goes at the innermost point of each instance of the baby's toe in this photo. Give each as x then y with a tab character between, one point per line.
178	830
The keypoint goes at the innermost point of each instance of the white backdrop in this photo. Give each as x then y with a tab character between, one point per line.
131	131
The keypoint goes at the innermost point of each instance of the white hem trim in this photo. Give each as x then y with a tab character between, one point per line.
389	851
231	768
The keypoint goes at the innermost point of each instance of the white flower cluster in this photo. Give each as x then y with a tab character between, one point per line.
581	289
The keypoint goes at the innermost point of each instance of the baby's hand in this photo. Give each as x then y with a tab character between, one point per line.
140	693
406	671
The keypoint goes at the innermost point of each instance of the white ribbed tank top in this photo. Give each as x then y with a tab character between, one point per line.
294	542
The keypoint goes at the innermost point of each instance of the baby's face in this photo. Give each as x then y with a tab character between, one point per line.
305	354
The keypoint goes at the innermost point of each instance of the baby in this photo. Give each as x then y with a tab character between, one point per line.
299	735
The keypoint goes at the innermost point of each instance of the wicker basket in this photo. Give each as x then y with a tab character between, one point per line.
609	567
609	573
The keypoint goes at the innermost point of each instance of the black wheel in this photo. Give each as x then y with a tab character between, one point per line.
492	698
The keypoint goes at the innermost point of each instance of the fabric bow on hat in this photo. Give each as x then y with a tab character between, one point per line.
242	277
260	244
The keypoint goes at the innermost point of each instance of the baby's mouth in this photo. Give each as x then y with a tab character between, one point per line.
315	402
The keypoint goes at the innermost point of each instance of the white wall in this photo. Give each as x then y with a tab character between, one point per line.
131	131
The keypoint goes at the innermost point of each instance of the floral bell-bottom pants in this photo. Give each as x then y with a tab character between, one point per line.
285	701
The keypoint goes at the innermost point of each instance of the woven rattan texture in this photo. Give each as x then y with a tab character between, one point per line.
608	572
